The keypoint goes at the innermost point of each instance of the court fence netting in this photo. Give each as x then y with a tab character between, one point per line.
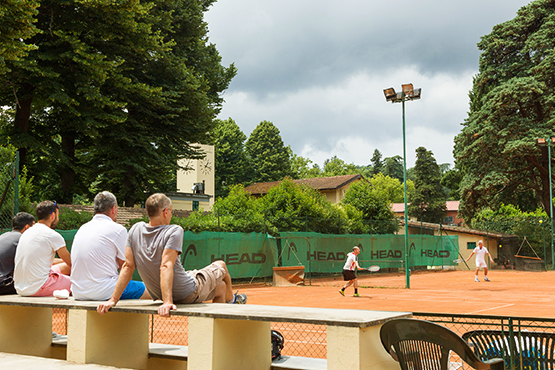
308	340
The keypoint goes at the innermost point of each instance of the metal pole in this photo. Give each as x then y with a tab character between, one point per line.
551	204
407	267
16	184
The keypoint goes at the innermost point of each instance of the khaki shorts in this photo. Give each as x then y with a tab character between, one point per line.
207	280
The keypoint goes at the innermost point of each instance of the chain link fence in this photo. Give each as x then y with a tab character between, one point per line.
532	249
8	184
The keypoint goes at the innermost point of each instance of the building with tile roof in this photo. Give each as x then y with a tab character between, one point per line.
451	218
333	188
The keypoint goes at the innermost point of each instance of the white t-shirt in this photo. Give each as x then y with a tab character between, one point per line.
480	255
94	269
33	257
350	264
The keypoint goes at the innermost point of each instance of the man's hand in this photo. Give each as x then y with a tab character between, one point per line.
105	306
164	310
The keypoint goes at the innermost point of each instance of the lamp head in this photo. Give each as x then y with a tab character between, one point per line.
390	94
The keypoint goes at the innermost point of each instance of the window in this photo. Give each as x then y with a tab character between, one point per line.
448	220
195	206
471	245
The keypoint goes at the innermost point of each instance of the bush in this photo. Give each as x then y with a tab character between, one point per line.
72	220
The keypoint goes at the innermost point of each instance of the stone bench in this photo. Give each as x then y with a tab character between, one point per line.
221	336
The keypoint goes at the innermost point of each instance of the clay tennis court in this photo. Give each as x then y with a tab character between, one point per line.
510	293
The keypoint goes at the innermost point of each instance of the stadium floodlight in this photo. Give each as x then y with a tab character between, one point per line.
408	93
549	143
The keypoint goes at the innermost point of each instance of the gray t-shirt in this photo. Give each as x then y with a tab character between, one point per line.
8	245
148	244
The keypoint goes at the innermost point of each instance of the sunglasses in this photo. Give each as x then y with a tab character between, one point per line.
54	208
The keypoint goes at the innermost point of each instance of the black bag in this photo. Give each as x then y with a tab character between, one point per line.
277	344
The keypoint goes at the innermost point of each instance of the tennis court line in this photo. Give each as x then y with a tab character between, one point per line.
491	308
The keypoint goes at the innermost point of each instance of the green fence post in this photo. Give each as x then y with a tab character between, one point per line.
511	343
16	184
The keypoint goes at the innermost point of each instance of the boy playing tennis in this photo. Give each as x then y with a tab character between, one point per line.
349	271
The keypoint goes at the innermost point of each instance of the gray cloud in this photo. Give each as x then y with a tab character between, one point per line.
316	68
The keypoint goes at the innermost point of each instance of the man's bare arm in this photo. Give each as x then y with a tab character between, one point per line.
169	256
125	275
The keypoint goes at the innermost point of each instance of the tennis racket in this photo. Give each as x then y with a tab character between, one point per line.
373	268
458	260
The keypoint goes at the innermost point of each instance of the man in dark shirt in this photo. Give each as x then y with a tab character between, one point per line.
8	244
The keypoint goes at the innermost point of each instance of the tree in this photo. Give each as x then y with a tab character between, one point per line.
230	157
393	167
301	167
115	94
376	163
511	105
337	167
16	25
392	189
451	181
427	202
268	155
374	205
298	207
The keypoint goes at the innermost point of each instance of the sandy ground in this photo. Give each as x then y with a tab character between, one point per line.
510	293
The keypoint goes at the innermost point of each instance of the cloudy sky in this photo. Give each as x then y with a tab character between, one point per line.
317	70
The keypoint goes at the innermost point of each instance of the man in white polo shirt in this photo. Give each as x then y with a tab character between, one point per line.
97	253
481	252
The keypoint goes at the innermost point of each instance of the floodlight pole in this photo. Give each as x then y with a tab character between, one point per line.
407	267
551	204
548	142
392	96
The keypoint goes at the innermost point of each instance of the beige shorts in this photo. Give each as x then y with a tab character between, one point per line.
207	280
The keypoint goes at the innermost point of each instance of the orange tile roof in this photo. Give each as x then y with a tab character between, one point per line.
319	183
452	205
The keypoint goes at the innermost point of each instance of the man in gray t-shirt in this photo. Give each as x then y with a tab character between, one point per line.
154	248
148	244
8	244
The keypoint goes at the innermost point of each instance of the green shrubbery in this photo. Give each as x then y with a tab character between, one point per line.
295	207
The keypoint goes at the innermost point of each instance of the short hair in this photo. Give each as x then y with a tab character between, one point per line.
355	248
104	201
156	203
45	208
22	219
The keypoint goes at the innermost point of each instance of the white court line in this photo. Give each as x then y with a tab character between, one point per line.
491	308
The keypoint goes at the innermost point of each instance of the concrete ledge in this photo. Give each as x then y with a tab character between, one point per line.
173	352
21	362
304	315
299	363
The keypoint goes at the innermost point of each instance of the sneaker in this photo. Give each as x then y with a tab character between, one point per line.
356	295
342	292
476	280
238	298
486	279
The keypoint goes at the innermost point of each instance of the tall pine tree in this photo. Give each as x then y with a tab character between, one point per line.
268	156
427	202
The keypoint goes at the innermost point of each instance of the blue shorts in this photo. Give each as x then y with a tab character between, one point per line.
133	290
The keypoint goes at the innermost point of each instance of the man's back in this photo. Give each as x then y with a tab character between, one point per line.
96	247
148	244
34	256
8	245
